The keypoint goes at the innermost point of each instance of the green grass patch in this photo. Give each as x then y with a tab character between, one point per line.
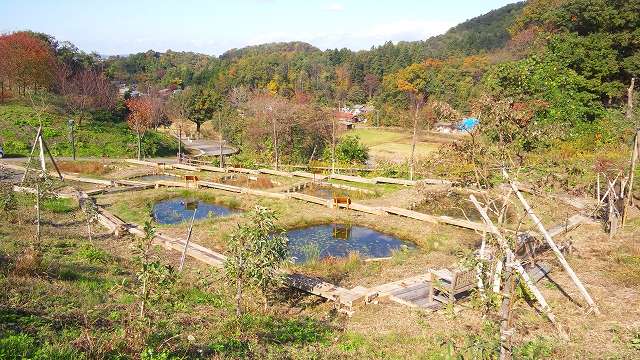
59	206
94	137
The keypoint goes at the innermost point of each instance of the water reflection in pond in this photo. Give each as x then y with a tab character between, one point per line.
338	240
175	211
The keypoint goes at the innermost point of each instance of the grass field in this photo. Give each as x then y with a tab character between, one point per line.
395	145
94	138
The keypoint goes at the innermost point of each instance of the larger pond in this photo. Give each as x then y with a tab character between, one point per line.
175	211
338	240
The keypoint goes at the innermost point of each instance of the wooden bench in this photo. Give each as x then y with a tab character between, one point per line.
192	178
453	283
338	200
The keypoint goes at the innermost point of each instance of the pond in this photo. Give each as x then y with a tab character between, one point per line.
178	210
329	192
160	177
338	240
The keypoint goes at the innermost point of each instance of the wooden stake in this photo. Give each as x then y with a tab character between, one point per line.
186	244
553	246
33	149
53	161
519	268
628	194
506	328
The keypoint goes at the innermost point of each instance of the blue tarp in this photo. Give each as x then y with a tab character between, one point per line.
468	124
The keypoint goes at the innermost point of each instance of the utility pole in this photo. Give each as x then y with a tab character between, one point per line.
180	143
220	140
333	145
71	125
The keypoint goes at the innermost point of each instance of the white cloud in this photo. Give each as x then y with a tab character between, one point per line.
360	36
335	7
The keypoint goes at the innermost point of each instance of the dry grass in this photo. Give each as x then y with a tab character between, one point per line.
87	167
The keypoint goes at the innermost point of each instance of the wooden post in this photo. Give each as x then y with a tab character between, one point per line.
628	194
506	328
598	187
519	268
53	161
186	244
33	149
630	98
553	246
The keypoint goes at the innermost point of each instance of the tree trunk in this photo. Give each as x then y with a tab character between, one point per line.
179	144
239	296
198	124
506	328
38	212
139	146
413	142
275	143
630	98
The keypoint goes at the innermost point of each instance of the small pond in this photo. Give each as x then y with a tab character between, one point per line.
160	177
338	240
177	210
329	192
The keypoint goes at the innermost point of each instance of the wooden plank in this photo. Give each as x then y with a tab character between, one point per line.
142	162
410	214
185	167
463	223
244	171
312	199
357	179
212	168
316	286
174	184
131	182
435	182
362	208
273	195
571	223
308	175
387	180
275	172
218	186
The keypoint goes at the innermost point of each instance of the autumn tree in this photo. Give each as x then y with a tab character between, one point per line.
202	104
85	90
26	61
371	84
140	118
418	82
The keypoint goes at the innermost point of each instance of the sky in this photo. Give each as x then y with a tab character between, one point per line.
118	27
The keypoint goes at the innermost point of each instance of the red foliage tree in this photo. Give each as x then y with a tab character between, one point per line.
140	119
26	61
